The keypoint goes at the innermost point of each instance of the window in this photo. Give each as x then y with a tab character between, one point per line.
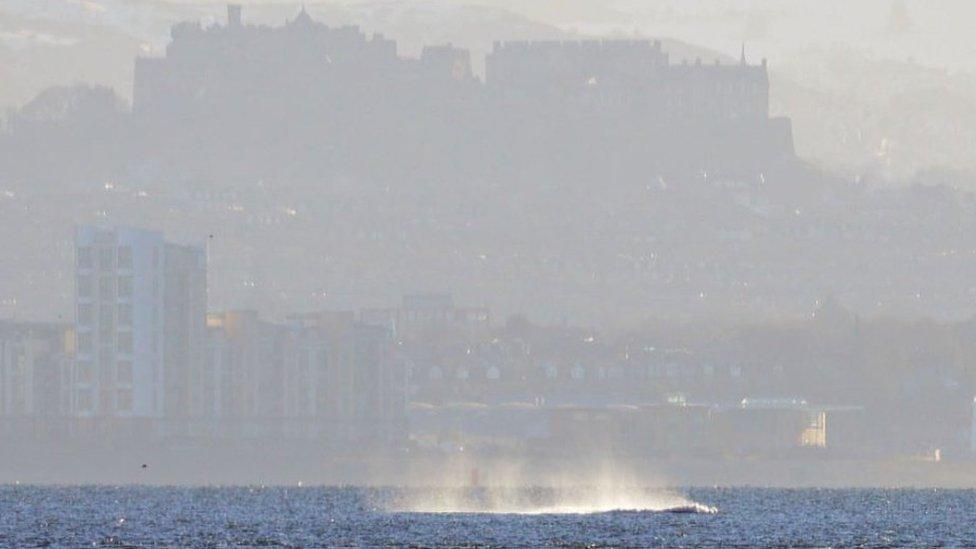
86	371
106	330
85	344
106	259
125	342
105	400
125	257
105	314
84	400
125	314
125	286
105	371
124	373
105	287
85	287
86	313
123	401
85	258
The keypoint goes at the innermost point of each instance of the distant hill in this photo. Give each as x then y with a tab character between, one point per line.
886	120
36	54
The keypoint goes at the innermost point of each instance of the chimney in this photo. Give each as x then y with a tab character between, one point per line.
234	15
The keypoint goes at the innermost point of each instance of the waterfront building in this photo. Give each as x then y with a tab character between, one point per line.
140	304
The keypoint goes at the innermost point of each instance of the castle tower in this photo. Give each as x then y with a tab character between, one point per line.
303	18
234	18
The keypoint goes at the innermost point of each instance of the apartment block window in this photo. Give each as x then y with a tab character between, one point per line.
105	330
105	314
123	402
125	342
105	372
85	258
125	314
124	373
125	257
85	344
105	287
125	286
85	371
85	286
84	400
106	259
86	314
105	401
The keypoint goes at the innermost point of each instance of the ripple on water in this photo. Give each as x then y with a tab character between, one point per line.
315	516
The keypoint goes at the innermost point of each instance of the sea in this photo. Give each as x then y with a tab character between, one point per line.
307	516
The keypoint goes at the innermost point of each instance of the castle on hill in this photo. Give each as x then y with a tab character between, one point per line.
314	100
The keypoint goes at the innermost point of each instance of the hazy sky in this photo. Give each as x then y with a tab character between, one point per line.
856	61
933	32
936	32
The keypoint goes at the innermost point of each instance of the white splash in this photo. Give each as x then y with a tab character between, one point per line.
510	485
538	501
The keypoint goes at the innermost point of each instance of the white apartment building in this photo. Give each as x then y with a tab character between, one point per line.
139	302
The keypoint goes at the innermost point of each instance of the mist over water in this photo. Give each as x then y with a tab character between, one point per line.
468	484
540	501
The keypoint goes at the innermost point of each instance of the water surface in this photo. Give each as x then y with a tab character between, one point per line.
316	516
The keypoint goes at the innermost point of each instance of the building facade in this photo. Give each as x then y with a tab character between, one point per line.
321	376
140	306
34	371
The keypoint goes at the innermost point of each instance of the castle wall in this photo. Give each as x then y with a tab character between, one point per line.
353	104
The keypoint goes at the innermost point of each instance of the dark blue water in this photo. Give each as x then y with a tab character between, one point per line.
141	516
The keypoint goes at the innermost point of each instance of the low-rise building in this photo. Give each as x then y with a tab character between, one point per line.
35	369
320	376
